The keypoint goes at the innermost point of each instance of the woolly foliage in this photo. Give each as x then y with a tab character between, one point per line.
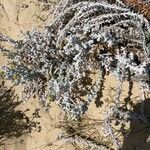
86	39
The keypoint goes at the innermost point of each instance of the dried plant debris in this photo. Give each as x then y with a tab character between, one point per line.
141	6
82	133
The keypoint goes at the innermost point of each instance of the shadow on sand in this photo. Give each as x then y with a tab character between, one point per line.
13	122
139	135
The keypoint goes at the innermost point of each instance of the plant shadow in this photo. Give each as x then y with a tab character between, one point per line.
139	135
13	122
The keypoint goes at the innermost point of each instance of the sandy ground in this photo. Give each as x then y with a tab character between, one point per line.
17	16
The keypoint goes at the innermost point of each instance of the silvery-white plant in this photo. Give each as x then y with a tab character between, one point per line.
84	39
